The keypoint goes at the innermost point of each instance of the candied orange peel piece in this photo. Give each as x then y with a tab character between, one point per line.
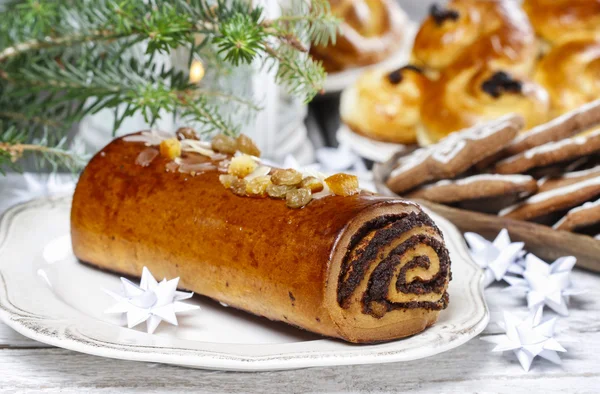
343	184
170	148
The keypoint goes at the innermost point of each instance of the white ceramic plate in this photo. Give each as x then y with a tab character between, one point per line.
338	81
377	151
45	294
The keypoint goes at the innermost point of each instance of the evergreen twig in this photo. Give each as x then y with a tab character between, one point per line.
63	60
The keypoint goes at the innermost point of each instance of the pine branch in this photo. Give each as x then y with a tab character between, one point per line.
63	60
298	72
309	21
50	42
53	153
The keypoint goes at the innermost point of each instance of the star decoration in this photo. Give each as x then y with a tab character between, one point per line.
528	338
497	258
547	284
151	301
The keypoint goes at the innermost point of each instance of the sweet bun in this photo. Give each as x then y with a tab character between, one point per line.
385	106
571	72
495	32
477	94
370	31
554	20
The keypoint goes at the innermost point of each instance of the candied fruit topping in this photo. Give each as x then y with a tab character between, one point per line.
242	166
257	187
247	146
343	184
170	148
278	191
260	171
238	186
223	166
224	144
186	133
298	198
146	157
227	180
312	183
288	177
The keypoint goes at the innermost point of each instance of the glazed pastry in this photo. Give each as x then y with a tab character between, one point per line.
579	120
554	200
362	268
467	32
568	178
475	95
585	215
454	154
370	31
385	105
476	187
551	153
554	20
571	73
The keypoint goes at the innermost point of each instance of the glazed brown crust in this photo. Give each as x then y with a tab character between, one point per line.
554	20
493	32
370	31
472	95
569	71
253	254
385	106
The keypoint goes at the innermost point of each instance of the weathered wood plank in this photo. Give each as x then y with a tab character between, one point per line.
466	369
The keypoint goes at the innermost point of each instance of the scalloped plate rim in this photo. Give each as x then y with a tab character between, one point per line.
66	332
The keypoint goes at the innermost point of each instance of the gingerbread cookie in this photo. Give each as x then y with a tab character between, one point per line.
564	126
550	153
476	187
568	178
582	216
554	200
454	154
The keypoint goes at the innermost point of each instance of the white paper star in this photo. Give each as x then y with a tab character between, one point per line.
547	284
497	258
151	301
528	338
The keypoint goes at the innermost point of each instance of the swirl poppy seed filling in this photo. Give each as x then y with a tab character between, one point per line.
398	269
355	266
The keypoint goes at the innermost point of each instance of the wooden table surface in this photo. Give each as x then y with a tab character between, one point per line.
29	366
